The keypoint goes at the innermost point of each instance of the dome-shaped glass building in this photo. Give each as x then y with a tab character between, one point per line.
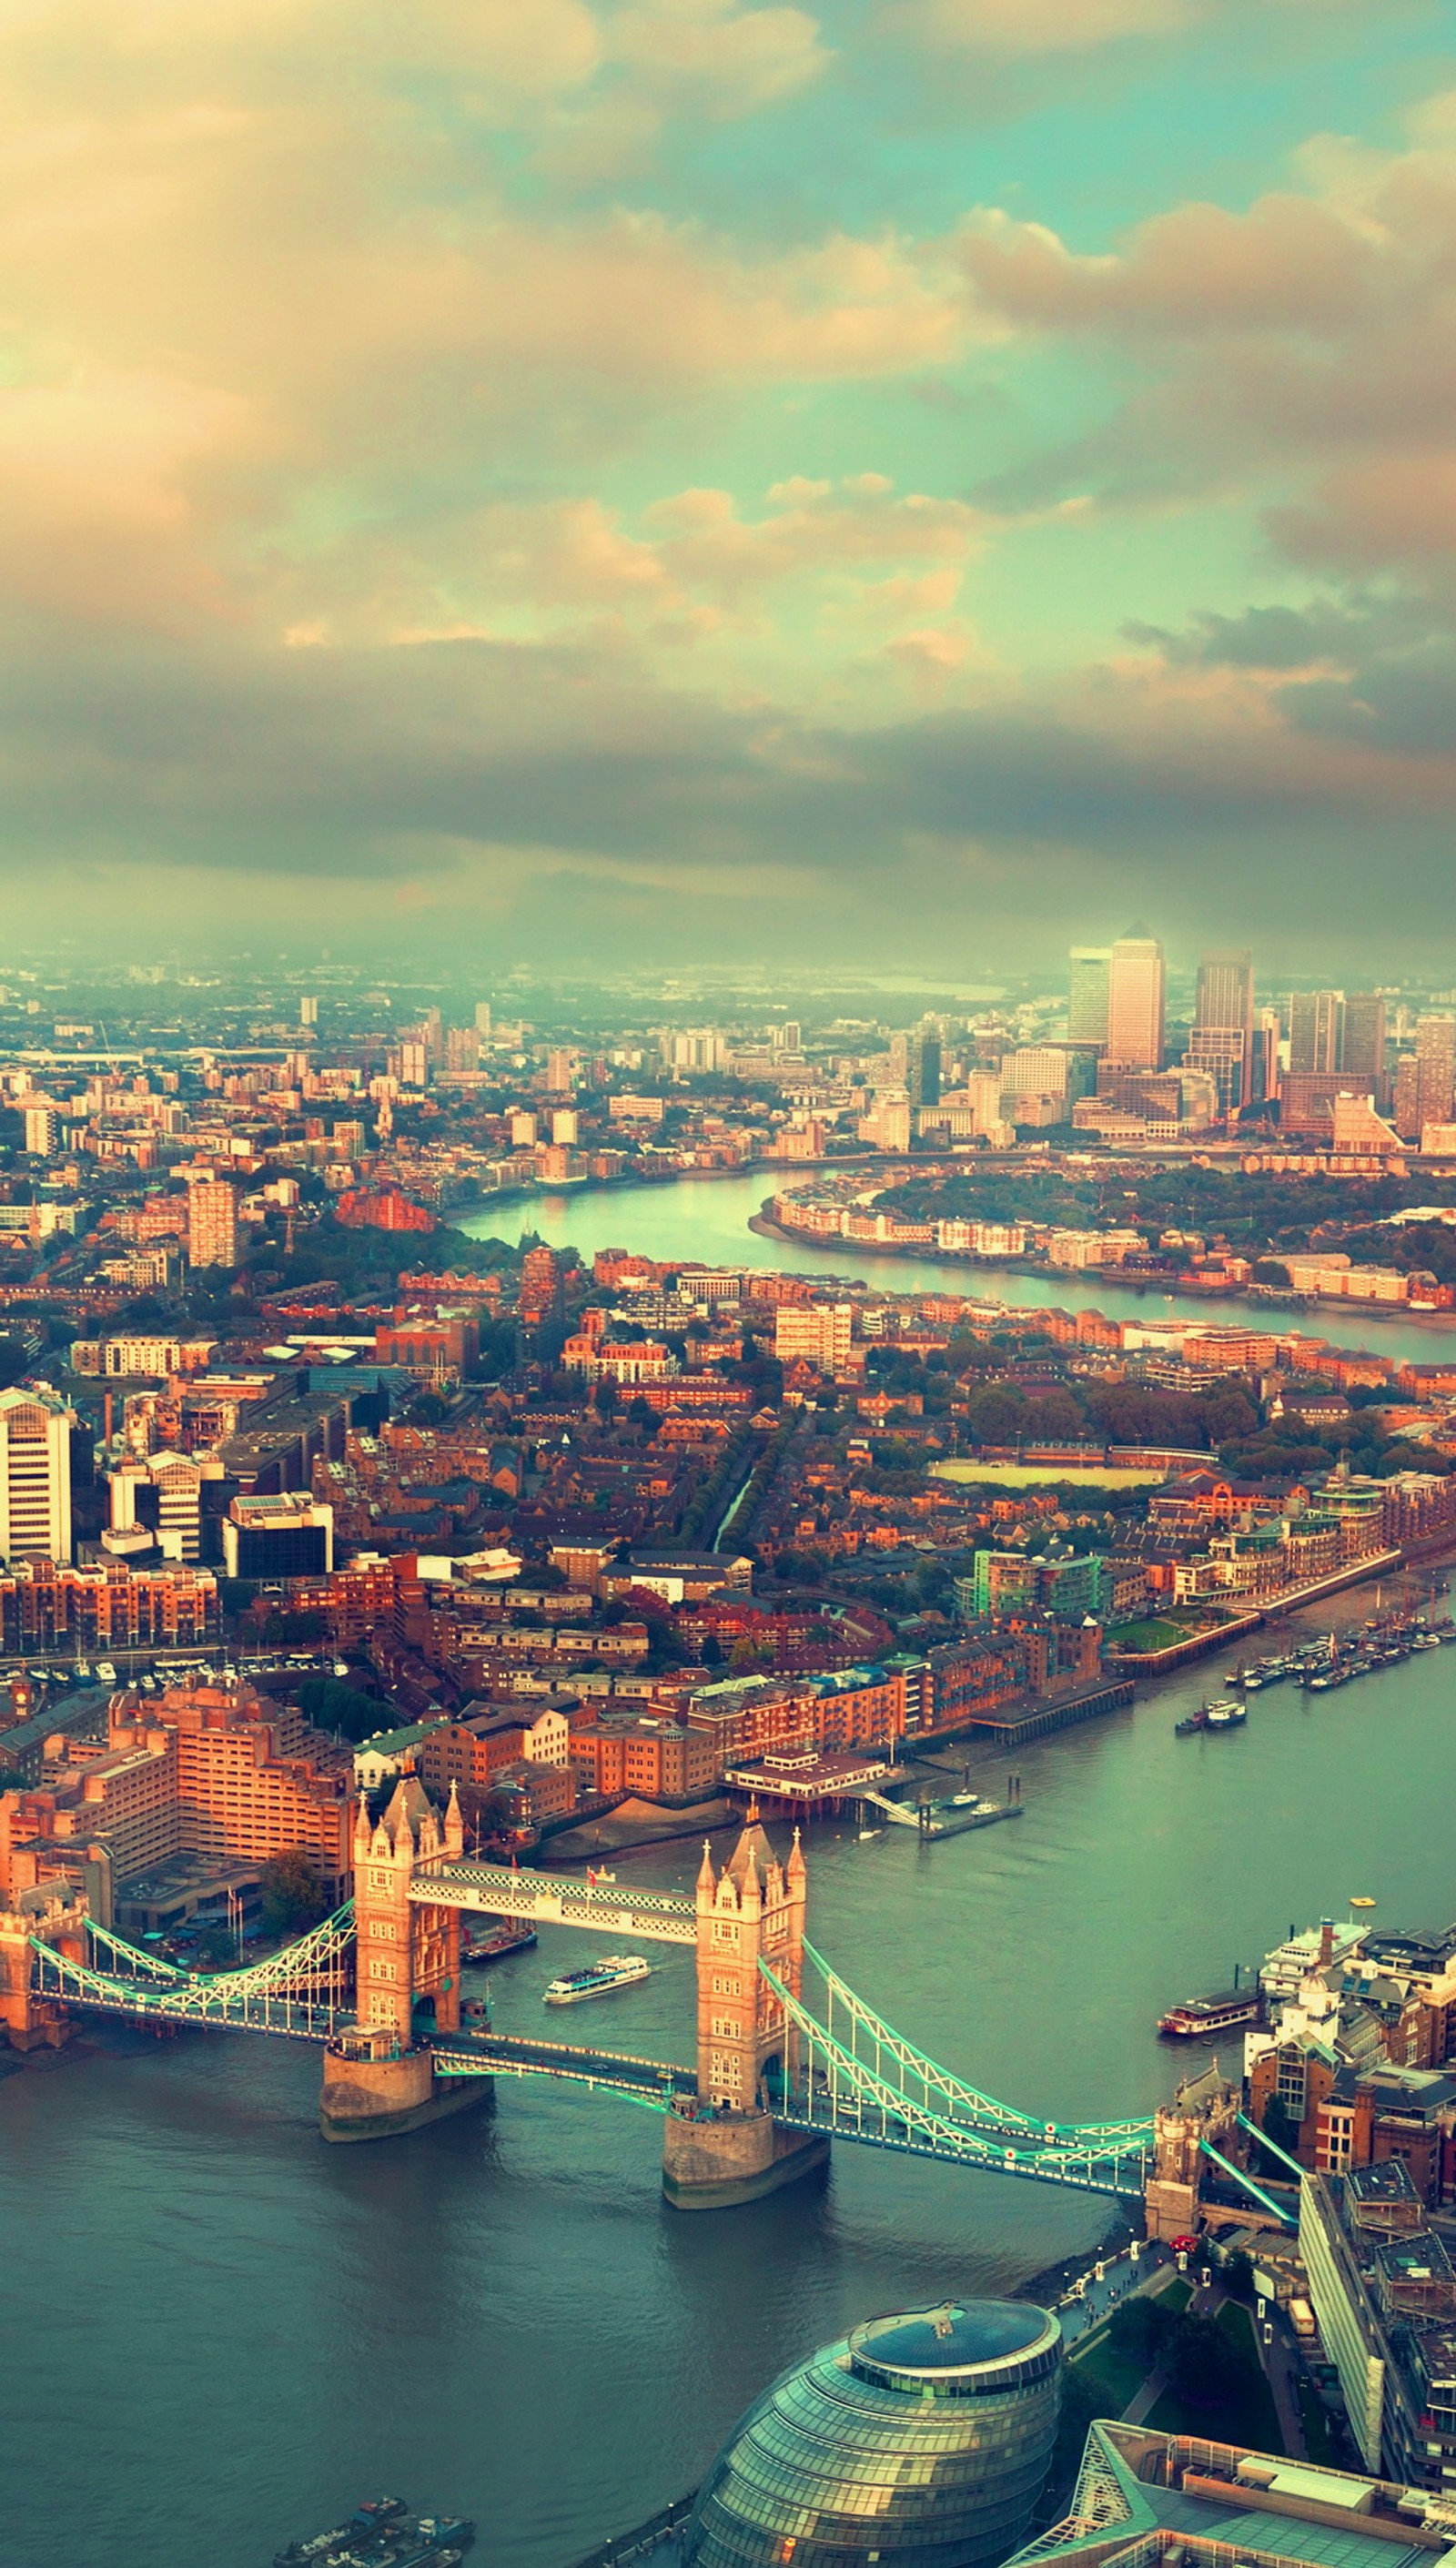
919	2441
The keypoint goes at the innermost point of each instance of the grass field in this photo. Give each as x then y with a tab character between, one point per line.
1153	1633
1114	2379
1046	1475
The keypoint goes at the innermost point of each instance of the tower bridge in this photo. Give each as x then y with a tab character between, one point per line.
787	2057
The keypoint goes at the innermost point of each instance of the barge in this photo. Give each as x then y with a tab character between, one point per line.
382	2533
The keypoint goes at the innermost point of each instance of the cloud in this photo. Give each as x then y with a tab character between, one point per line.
1287	262
1007	29
1309	341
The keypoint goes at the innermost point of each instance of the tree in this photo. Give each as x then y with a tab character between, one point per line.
1201	2363
996	1417
1141	2328
333	1704
293	1896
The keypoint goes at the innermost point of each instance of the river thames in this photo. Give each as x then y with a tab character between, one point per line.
221	2333
707	1219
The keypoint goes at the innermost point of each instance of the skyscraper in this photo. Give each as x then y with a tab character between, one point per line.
1364	1056
212	1223
1135	1003
35	1475
1222	1041
1316	1030
1435	1073
923	1067
1086	1001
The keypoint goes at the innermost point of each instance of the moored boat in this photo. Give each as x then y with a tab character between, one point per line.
509	1937
1199	2019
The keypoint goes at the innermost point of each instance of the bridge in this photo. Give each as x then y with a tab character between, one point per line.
789	2057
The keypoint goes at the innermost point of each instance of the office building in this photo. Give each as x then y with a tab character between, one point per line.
1135	1003
1222	1041
42	1131
821	1335
35	1475
483	1019
1435	1069
927	2435
287	1535
308	1011
1265	1073
1086	1001
1150	2500
158	1495
1316	1030
923	1067
212	1223
1364	1053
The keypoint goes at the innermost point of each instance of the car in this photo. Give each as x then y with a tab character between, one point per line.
1185	2246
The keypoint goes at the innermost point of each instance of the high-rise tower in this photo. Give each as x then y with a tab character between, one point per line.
1135	1003
35	1476
1222	1041
1086	997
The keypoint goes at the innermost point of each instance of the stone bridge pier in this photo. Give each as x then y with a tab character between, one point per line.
58	1917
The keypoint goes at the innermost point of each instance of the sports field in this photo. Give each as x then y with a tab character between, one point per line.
1046	1475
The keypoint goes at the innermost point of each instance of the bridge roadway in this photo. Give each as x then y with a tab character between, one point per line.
484	2054
554	1899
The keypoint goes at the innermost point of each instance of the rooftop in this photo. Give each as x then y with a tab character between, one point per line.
1140	2497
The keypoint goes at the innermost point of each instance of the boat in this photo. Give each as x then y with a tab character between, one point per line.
599	1979
105	1672
865	1834
1198	2018
1223	1714
1185	1728
509	1936
383	2531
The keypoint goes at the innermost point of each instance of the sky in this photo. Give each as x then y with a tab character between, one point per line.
902	482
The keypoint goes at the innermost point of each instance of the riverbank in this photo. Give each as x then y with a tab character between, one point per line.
705	1216
1165	1288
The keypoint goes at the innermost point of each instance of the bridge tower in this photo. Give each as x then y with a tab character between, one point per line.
378	2080
724	2146
1205	2109
58	1917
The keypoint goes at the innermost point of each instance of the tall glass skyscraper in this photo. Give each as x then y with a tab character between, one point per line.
1086	993
922	2436
1222	1041
1135	1003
